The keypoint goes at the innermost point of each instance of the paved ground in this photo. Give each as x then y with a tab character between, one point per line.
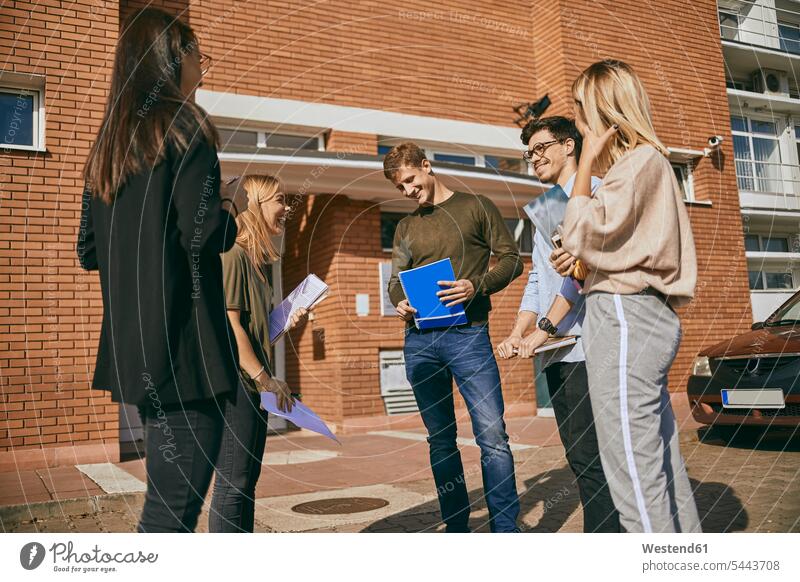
750	484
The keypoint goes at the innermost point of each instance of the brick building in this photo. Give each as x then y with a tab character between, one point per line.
315	93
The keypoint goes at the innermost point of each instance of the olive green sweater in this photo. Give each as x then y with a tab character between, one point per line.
467	229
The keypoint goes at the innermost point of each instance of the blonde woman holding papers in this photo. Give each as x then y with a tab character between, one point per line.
634	236
247	296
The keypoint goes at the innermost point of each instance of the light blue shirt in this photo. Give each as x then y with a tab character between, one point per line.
544	284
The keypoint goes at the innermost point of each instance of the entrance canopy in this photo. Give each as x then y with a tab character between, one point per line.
361	176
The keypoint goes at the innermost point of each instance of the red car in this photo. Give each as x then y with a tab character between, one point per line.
752	379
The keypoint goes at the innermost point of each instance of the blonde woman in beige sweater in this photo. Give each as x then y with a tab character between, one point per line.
634	237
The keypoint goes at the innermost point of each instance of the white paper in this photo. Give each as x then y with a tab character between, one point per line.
307	294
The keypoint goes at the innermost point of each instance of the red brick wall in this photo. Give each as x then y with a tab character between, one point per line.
51	310
454	59
674	46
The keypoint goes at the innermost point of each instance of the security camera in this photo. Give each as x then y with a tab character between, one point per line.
713	145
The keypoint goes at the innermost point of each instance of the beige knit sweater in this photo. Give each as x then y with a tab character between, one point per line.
634	232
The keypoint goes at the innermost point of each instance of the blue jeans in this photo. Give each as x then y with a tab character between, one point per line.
433	359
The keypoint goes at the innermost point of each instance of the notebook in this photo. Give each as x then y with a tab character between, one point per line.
554	343
421	285
307	294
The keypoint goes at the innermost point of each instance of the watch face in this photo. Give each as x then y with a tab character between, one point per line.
547	325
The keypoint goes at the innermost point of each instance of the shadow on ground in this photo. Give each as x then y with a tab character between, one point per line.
754	438
553	493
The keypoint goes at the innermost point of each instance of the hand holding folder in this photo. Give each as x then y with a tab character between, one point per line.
423	286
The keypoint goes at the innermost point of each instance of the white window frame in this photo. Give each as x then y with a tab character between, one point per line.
26	85
687	180
750	134
729	12
261	135
787	24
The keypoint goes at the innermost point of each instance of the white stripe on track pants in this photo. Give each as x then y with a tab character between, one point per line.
630	342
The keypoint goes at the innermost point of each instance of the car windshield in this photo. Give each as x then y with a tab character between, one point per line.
788	314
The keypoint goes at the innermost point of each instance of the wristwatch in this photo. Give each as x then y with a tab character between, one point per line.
547	325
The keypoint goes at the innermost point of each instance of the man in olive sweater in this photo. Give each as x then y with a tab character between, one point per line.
467	229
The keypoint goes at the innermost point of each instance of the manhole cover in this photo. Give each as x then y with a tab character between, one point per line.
340	505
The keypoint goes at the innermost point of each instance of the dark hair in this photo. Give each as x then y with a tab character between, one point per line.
406	154
146	111
562	128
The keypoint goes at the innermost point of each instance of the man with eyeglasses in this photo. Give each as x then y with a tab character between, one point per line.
553	148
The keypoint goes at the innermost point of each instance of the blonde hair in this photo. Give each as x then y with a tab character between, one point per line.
255	235
610	92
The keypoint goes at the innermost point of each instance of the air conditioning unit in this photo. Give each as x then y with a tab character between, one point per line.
771	82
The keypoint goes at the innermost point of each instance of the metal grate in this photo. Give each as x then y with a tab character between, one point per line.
398	396
789	410
765	366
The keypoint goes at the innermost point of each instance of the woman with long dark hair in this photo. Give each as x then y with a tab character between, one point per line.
634	236
153	223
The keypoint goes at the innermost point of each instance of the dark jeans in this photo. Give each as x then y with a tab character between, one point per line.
569	393
433	358
238	464
182	442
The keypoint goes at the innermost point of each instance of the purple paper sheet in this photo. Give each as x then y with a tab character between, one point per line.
301	415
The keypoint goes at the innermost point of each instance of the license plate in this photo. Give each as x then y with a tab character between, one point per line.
753	398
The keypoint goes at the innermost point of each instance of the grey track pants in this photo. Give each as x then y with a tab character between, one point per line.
630	342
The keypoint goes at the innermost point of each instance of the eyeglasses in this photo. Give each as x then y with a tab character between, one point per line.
538	150
205	63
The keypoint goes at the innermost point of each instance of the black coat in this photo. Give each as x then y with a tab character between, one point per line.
165	336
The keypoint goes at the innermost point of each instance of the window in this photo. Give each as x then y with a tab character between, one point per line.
389	222
778	280
766	244
684	176
521	230
21	115
729	25
237	137
760	280
797	139
454	159
775	245
789	35
251	138
384	149
756	154
291	142
517	165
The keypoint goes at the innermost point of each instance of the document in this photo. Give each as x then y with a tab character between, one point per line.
421	286
301	415
547	211
307	294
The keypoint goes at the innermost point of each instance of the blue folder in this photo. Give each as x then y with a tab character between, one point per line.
420	286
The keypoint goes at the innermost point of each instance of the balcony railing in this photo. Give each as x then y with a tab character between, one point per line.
768	184
756	24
